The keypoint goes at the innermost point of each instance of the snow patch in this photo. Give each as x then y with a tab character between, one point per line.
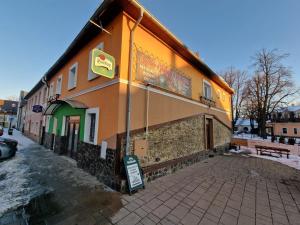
23	142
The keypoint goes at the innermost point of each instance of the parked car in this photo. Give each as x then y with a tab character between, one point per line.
8	147
1	131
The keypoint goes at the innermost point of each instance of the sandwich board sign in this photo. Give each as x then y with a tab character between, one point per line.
133	172
103	64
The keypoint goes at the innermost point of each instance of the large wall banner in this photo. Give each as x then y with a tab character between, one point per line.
151	70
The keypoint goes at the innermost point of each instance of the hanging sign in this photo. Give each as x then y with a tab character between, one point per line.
133	171
103	64
37	108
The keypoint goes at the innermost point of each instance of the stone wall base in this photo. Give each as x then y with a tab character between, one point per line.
88	158
161	169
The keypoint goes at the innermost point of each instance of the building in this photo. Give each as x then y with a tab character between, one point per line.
8	113
244	125
35	121
21	111
285	122
133	75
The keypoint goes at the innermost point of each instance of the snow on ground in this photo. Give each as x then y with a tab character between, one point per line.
258	138
23	142
14	183
292	161
35	171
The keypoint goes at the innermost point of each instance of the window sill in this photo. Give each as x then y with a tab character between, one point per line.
70	89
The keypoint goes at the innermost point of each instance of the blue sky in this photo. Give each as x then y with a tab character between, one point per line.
34	33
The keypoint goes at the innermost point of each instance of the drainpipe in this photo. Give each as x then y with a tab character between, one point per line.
130	81
147	112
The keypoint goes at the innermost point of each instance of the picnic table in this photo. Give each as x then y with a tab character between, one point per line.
270	150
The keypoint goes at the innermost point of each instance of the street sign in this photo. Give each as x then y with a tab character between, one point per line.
133	172
37	108
103	64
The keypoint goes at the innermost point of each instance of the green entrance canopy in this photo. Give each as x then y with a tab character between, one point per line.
56	104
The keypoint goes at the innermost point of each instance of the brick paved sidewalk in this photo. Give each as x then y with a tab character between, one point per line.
224	190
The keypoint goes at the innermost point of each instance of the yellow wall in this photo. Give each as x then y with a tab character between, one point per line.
145	40
112	100
106	98
163	109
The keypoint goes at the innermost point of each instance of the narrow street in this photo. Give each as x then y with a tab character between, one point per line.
52	189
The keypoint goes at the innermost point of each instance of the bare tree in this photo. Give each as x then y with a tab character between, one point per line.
12	98
270	87
236	79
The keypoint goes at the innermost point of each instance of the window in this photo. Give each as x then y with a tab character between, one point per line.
284	130
58	85
45	95
295	131
92	75
91	125
51	90
72	76
39	100
207	89
218	94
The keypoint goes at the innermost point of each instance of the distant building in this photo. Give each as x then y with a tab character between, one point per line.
21	111
8	113
244	125
36	101
285	122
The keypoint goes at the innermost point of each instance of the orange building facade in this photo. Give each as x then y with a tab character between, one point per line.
180	109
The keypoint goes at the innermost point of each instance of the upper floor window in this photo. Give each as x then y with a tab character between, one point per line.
45	95
72	81
92	75
51	89
207	89
284	130
295	131
218	94
39	99
58	84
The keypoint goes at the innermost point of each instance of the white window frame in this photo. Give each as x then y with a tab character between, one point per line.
91	75
59	86
87	123
207	83
71	86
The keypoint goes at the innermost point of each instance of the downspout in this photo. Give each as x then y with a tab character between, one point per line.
130	81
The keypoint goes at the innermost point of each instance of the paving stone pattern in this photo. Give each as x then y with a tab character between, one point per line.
224	190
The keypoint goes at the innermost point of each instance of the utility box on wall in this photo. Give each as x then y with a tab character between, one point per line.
140	147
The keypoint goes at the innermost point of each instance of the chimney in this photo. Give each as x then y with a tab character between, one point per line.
197	54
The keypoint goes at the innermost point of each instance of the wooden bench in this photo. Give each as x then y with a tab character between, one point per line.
238	142
270	150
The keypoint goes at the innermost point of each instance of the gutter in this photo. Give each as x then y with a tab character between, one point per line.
127	149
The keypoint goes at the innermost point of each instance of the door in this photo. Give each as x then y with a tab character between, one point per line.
209	133
72	127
